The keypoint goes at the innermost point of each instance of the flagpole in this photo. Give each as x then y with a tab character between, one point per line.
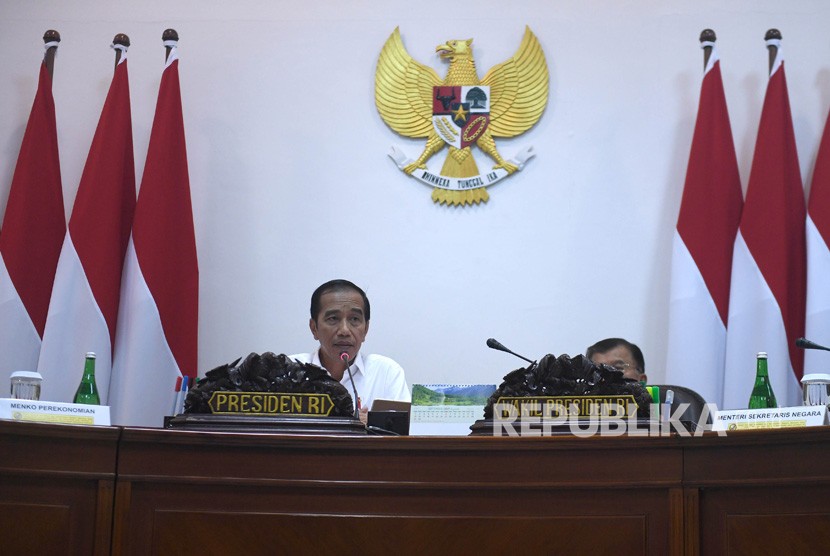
51	36
169	35
707	35
772	34
121	40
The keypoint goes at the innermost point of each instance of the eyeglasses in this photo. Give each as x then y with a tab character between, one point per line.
623	366
620	365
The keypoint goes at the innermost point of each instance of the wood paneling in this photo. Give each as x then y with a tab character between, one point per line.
29	528
266	534
761	492
100	490
56	488
778	534
765	519
411	495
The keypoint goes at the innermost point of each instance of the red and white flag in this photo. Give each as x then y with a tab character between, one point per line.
84	307
33	229
710	213
156	340
766	306
818	259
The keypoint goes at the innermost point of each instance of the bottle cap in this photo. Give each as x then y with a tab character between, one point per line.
762	355
90	355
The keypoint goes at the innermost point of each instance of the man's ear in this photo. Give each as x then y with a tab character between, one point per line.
312	325
367	328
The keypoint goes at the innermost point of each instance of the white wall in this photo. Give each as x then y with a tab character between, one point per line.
291	183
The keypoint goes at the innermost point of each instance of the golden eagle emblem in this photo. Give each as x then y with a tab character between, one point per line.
461	111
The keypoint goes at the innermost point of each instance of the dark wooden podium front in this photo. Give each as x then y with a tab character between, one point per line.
759	492
180	492
260	494
57	485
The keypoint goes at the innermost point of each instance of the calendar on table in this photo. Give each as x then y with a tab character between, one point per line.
447	409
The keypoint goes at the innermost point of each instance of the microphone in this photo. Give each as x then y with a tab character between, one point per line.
344	356
495	344
804	343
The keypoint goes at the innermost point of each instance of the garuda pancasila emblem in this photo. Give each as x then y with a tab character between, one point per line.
461	111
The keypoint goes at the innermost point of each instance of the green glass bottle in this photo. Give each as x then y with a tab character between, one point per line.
87	390
762	395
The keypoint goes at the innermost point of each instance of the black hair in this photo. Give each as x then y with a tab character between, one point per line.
608	344
336	286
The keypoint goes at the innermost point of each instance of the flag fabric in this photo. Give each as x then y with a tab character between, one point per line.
34	226
710	213
818	259
767	298
156	339
84	307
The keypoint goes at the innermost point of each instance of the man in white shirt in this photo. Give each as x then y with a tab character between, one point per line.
339	321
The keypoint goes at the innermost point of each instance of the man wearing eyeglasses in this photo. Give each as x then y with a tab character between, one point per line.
620	354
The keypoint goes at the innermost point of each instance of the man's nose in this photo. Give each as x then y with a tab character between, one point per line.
343	328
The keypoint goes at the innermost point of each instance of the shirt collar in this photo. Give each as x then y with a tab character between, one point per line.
357	365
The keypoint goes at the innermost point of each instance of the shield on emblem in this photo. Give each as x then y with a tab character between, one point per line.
460	114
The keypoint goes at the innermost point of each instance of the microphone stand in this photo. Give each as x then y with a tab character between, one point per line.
345	358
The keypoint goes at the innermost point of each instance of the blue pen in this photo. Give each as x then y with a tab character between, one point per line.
667	405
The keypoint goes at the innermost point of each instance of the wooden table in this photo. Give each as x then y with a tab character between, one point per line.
181	492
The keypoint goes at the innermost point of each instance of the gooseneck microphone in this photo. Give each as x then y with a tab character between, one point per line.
344	356
495	344
804	343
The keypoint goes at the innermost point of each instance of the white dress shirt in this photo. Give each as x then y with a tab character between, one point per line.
375	377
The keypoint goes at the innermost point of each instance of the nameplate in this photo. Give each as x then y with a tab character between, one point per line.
549	407
54	412
778	418
270	403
